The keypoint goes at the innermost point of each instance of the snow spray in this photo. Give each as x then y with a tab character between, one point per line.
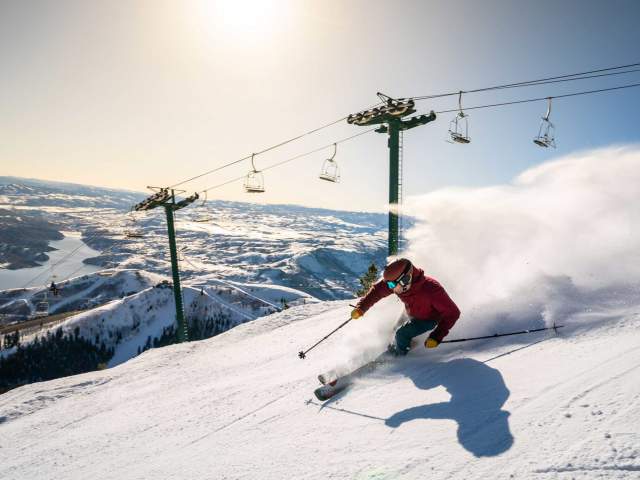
559	242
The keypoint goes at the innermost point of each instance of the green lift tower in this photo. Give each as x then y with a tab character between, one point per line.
167	198
390	118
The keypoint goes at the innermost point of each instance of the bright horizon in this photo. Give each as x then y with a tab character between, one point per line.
125	95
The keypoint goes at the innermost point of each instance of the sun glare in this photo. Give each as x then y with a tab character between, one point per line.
246	17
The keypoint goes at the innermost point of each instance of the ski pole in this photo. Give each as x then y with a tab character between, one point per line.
502	334
303	355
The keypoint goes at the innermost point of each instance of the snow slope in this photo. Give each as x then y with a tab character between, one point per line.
240	405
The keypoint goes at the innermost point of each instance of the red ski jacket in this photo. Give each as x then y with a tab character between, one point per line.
426	299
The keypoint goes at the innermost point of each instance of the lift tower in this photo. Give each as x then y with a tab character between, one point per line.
167	198
390	118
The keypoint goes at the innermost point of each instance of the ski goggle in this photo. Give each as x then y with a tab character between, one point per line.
404	280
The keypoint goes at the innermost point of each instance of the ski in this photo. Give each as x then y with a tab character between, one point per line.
333	384
325	392
328	378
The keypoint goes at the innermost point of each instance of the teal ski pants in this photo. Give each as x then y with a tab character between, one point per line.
412	329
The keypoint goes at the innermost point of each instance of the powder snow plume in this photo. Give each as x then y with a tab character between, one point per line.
561	243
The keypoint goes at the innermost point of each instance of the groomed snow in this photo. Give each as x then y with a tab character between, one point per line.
240	405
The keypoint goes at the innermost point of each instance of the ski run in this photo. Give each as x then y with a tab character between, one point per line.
241	406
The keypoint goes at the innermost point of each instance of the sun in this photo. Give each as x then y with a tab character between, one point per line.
246	17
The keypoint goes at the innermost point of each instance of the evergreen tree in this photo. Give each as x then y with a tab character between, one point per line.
50	356
367	280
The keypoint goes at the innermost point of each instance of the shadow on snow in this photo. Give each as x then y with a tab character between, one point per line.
478	393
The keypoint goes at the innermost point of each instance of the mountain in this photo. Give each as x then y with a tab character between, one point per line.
318	251
109	317
24	238
79	293
33	212
17	191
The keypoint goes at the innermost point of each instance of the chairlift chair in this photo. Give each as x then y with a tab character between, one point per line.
546	133
132	231
42	308
459	126
330	171
133	234
459	129
54	288
254	182
205	217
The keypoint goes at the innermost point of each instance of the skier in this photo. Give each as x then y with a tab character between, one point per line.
426	303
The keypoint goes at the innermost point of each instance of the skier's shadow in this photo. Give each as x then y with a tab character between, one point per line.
478	393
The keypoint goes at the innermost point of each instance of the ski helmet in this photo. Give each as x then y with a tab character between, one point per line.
396	269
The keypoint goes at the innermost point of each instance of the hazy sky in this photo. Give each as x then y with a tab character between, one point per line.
127	94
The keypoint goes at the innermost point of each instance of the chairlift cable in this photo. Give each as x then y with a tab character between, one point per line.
273	147
587	92
514	102
289	160
566	78
540	81
533	84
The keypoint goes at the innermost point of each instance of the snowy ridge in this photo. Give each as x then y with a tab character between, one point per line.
128	324
78	293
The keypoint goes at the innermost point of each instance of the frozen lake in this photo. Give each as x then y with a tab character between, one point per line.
57	267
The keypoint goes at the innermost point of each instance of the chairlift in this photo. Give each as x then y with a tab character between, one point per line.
206	217
42	308
254	182
133	231
54	288
330	171
459	126
546	133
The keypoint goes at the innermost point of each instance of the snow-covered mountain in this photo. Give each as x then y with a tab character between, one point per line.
24	238
78	293
124	313
321	252
24	192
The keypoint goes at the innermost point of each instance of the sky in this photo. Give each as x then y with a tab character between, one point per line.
138	93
